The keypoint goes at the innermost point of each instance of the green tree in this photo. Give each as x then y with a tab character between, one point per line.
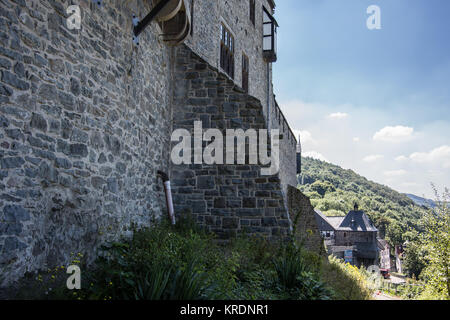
414	259
436	243
322	187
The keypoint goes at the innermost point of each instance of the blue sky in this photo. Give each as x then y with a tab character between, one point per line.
375	101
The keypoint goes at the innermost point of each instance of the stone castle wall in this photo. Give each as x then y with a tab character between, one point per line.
248	40
288	144
84	125
235	15
86	119
302	215
228	199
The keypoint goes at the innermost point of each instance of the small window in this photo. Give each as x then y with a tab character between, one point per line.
245	72
252	11
192	18
270	26
226	51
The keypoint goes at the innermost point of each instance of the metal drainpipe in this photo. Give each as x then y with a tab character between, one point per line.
168	192
268	97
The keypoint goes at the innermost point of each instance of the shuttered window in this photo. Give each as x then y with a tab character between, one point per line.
226	51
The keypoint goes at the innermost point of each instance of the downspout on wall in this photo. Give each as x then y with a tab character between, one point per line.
268	97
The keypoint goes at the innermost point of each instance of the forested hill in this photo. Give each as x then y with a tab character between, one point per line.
334	191
421	201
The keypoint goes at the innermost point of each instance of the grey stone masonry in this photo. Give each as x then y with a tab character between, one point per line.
288	143
235	15
86	119
227	199
303	218
84	125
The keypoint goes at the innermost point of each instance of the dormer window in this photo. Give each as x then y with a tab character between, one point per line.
226	51
270	26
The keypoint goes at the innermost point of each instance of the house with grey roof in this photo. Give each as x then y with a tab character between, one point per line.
352	238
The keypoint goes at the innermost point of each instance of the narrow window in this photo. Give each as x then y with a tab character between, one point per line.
192	18
252	11
245	72
226	51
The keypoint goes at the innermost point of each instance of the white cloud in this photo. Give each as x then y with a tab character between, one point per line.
439	155
395	173
305	136
326	138
373	158
394	134
401	158
315	155
338	115
410	184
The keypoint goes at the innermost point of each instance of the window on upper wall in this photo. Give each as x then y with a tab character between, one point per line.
192	18
226	51
252	11
245	72
270	26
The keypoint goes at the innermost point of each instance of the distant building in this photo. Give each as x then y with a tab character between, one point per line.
399	255
352	238
385	254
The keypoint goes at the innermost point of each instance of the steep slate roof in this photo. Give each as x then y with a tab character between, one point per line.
335	221
353	221
322	222
356	221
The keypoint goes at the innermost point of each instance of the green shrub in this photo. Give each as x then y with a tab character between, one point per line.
185	262
289	268
153	285
297	278
346	281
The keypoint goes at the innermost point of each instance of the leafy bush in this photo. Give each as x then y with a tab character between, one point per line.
289	268
347	281
297	277
185	262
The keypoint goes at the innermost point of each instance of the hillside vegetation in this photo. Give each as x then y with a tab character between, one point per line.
184	262
334	191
